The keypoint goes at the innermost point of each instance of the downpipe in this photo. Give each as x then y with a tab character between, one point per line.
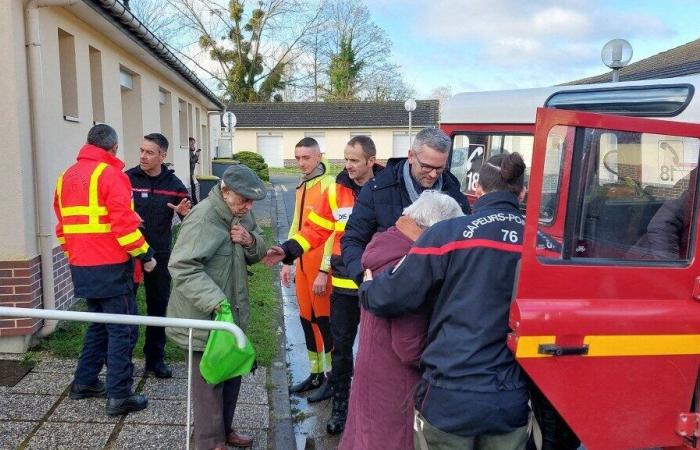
41	169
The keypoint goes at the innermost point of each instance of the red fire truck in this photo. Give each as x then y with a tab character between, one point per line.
608	327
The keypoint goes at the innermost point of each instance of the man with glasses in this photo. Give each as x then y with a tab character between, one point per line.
383	199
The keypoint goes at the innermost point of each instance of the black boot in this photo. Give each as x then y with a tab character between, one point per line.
313	381
325	392
339	413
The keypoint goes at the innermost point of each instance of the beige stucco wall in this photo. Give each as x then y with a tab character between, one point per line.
62	138
18	224
335	139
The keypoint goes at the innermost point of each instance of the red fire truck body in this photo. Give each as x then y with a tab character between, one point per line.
607	326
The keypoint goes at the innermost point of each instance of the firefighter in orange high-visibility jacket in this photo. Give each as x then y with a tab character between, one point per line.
99	232
328	219
313	288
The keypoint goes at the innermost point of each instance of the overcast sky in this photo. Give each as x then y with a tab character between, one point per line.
476	45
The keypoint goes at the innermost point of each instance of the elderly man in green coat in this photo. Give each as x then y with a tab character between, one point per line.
216	243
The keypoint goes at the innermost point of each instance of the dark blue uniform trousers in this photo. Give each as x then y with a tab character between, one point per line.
111	344
157	284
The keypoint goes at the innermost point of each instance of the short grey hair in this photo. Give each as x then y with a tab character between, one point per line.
432	207
434	138
103	136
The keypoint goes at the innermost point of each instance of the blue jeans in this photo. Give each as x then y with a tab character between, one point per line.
111	344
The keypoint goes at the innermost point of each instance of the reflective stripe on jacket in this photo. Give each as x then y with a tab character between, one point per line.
329	218
97	226
309	195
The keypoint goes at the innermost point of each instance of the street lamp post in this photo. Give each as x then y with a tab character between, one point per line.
230	124
616	54
410	106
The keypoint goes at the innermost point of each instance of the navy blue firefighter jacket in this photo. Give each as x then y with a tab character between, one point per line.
463	270
151	198
379	205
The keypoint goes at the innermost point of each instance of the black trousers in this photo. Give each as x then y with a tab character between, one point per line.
345	317
193	188
157	284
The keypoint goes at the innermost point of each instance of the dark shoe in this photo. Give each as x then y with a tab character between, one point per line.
315	380
339	413
160	370
239	440
118	406
80	391
324	393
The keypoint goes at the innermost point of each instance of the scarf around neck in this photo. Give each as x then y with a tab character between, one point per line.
411	188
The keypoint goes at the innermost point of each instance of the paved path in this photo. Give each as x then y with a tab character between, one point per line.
37	414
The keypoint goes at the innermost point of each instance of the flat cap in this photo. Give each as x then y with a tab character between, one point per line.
243	181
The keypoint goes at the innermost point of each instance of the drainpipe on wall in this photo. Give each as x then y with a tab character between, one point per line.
41	167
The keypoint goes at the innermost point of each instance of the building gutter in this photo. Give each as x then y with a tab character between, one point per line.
122	18
45	233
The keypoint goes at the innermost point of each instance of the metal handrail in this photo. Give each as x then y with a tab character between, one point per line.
127	319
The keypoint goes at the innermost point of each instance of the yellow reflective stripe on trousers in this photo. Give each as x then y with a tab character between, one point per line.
302	241
343	283
320	221
129	238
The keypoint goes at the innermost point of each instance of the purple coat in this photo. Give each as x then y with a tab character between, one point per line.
386	368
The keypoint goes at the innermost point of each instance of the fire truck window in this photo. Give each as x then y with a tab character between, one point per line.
551	175
470	150
636	198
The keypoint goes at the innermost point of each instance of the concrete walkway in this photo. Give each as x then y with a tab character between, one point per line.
37	414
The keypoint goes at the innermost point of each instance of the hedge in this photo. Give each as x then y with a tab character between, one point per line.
255	162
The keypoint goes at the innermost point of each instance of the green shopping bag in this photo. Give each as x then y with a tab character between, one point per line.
222	359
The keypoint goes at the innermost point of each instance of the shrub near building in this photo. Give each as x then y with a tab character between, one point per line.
255	162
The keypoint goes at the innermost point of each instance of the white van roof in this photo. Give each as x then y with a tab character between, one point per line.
520	105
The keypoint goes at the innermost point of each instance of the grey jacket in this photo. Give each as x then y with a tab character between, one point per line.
206	267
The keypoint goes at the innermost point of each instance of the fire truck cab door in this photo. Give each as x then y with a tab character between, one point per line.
606	314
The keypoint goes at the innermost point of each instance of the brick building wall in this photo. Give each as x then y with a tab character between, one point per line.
20	287
62	282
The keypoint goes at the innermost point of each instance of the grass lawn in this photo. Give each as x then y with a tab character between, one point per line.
67	341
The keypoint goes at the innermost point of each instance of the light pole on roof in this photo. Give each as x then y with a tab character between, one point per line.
410	106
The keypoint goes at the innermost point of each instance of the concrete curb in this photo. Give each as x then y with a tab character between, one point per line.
281	411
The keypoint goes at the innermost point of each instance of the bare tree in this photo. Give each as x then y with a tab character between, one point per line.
243	48
441	93
350	20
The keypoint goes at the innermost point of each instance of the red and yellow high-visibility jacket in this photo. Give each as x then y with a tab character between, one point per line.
329	218
97	226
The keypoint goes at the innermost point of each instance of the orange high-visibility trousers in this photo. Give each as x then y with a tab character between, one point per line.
314	311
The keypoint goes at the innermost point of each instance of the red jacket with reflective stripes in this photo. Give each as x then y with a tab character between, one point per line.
97	226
